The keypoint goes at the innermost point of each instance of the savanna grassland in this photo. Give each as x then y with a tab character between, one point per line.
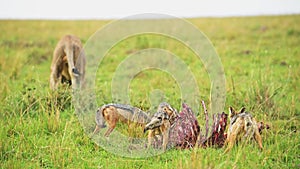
261	60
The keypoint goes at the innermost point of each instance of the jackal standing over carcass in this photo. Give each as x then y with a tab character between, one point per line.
161	123
242	127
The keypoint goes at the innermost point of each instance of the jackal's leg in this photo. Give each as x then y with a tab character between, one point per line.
112	126
165	139
249	133
150	138
107	133
166	130
111	117
96	130
227	138
258	139
231	142
231	139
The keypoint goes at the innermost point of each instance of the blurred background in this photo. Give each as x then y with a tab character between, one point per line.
114	9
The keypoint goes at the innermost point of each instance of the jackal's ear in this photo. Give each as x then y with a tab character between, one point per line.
231	111
243	109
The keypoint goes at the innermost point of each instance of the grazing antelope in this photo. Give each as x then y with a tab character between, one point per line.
68	63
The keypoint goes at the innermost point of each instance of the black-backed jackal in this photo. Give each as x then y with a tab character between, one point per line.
113	113
161	123
242	127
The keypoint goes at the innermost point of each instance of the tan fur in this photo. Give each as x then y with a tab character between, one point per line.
172	113
65	68
114	113
68	62
242	126
161	123
164	129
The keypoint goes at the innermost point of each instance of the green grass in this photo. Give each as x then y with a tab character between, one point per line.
261	59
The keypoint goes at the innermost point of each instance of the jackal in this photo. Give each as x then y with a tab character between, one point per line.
161	123
112	113
242	127
171	112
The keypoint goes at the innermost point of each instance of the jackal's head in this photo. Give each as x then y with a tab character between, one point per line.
234	115
167	108
233	112
157	120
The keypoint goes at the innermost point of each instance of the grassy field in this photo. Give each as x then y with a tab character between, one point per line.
261	59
